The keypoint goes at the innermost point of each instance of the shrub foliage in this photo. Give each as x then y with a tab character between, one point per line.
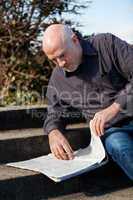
23	66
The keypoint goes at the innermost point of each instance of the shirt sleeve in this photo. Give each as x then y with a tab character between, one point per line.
54	110
122	54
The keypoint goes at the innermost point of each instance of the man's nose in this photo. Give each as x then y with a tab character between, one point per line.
61	63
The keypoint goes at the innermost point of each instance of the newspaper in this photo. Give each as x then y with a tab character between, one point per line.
84	160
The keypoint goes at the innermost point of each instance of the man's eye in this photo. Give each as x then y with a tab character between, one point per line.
62	56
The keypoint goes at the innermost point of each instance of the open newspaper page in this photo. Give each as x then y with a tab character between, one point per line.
85	159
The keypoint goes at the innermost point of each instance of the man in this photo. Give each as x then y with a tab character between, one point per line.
94	76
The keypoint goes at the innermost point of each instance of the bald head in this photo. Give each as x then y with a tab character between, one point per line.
62	46
57	35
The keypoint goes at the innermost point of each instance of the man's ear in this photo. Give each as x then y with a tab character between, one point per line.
75	38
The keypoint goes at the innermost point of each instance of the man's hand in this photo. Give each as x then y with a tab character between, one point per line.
101	118
59	145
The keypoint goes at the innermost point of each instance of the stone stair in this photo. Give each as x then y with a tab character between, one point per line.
22	144
21	138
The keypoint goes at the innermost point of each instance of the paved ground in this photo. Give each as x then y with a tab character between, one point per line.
124	194
115	186
105	183
118	194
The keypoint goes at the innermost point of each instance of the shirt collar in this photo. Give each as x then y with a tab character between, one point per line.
87	47
88	50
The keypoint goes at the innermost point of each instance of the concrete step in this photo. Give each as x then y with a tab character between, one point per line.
18	184
22	144
19	117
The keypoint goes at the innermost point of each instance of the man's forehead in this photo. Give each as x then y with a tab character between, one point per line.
52	43
54	46
55	54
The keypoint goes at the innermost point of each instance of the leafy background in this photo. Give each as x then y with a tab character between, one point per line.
24	69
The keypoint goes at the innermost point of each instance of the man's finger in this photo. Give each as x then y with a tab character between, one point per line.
55	153
102	124
62	153
70	147
97	125
68	150
100	127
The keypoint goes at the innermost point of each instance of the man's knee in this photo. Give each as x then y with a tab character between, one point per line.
112	145
118	144
120	147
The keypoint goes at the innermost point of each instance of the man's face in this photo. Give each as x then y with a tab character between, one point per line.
66	56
